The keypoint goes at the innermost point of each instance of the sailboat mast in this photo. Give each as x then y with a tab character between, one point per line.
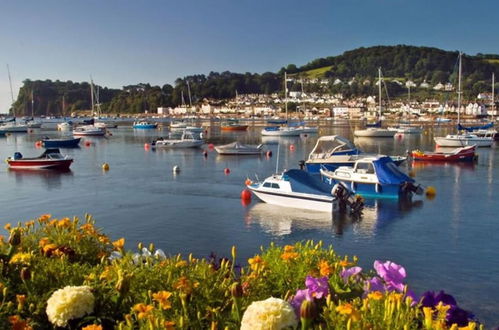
11	91
493	90
379	82
459	92
32	105
286	94
92	95
190	100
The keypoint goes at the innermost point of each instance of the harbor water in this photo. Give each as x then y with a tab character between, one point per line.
447	243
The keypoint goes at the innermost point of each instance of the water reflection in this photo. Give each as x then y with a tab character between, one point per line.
52	179
280	221
429	165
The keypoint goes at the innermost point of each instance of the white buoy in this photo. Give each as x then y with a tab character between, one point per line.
176	169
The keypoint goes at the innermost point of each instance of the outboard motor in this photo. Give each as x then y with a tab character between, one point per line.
301	163
409	187
347	199
17	155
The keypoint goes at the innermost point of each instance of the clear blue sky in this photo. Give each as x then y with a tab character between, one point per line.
122	42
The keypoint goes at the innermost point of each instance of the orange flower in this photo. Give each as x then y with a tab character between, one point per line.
181	263
288	256
43	241
53	222
48	249
348	309
142	310
29	223
375	295
289	248
324	268
92	327
162	298
256	262
21	299
184	285
345	263
18	323
64	223
119	244
7	226
88	228
169	325
44	218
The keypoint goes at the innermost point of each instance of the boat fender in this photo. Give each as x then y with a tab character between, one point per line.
378	188
248	182
176	169
292	147
147	146
205	154
268	153
246	195
227	171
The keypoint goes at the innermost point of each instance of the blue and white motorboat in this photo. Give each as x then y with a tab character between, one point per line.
373	177
297	189
144	125
333	151
60	143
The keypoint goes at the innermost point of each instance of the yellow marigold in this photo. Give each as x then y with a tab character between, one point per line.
18	323
21	258
375	295
169	325
345	309
288	256
272	313
256	262
69	303
325	268
184	285
92	327
88	228
43	241
162	298
64	223
7	226
289	248
103	239
119	244
142	310
181	263
44	218
29	223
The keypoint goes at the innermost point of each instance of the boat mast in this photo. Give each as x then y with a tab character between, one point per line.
379	82
32	105
286	95
459	92
11	91
190	100
493	95
92	94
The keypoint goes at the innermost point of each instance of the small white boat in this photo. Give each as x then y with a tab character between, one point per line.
34	124
281	131
144	125
375	132
236	148
187	140
13	127
463	140
66	126
406	129
296	189
89	130
105	125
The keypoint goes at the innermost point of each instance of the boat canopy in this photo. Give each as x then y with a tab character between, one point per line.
297	124
376	124
474	128
303	182
50	151
240	146
388	172
332	144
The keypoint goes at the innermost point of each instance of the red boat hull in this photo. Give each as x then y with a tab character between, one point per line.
234	128
465	155
40	164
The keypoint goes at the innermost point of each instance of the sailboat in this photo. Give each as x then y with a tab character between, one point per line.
489	130
12	126
406	127
32	123
376	131
283	130
90	130
462	139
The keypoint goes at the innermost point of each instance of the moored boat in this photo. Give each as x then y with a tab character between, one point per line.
373	177
465	154
66	126
462	140
13	127
60	143
187	140
144	125
236	148
233	125
50	159
89	130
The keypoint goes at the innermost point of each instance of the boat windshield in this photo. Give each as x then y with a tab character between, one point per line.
334	145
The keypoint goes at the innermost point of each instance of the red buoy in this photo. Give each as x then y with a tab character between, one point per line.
147	146
88	143
227	171
38	144
268	153
248	182
246	195
211	146
292	147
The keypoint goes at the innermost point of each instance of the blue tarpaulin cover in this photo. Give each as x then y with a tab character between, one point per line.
474	128
303	182
388	172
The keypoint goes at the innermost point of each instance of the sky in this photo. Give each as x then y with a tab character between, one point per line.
122	42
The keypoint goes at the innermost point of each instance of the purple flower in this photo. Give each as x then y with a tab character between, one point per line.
299	297
455	314
347	273
318	287
374	284
392	274
459	316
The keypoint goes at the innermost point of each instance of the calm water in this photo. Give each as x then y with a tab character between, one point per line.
449	243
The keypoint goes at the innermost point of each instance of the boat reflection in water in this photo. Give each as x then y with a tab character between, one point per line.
421	164
376	215
280	221
50	178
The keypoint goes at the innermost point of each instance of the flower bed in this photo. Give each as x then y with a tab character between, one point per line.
66	273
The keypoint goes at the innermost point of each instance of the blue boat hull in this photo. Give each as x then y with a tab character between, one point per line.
69	143
151	126
315	167
371	190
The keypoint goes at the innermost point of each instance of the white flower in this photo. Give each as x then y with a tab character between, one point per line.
159	254
69	303
269	314
115	255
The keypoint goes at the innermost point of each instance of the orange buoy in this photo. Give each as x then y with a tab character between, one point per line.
227	171
246	195
292	147
268	153
38	144
147	146
211	146
248	182
88	143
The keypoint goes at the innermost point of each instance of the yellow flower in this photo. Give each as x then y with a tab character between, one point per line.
64	223
324	268
181	263
169	325
288	256
375	295
49	249
103	239
142	310
29	223
289	248
105	273
256	263
345	263
92	327
348	309
395	297
184	285
162	298
21	299
119	244
43	241
71	302
7	226
21	258
44	218
428	317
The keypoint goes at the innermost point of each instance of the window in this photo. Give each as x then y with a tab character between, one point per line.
266	185
275	185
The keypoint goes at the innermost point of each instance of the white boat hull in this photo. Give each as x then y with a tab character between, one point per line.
377	132
457	141
283	131
297	200
172	144
14	128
